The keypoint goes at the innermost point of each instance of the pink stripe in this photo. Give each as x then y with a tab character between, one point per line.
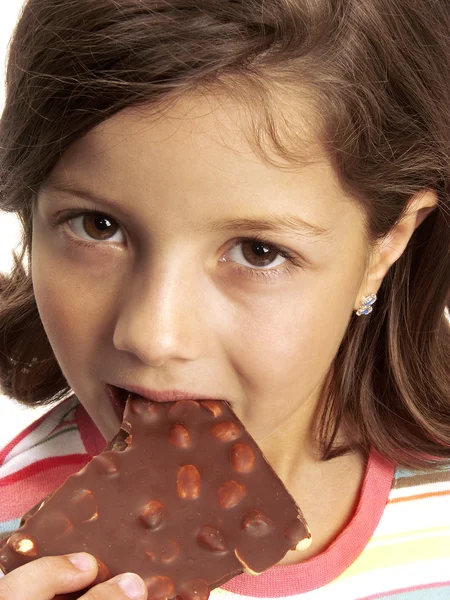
415	588
46	463
287	580
42	478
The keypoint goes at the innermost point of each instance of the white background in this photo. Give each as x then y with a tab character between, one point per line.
13	417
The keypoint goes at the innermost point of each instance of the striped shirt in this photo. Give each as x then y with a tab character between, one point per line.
397	544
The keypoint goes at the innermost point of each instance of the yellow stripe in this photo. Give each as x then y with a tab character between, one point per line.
382	540
379	557
419	496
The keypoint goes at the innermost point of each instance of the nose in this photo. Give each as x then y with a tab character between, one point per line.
162	316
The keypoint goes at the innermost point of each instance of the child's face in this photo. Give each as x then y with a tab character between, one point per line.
154	304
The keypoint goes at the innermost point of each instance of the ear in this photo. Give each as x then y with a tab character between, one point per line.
391	247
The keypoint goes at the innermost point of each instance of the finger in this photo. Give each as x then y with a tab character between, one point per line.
121	587
48	577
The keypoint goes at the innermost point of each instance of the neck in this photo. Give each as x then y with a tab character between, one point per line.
327	492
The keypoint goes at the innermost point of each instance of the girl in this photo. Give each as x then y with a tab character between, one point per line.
247	201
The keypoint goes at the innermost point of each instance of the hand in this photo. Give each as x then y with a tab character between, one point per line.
45	578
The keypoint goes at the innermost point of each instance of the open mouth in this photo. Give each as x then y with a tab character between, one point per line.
118	398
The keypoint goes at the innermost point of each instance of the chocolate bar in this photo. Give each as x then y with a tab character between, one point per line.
182	496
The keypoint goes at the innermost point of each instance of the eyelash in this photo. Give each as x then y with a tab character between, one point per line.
265	275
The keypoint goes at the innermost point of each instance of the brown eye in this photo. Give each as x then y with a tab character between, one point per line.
91	227
98	226
259	254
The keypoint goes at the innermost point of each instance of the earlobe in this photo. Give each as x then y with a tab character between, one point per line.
390	248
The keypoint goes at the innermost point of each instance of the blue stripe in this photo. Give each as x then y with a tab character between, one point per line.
399	472
436	593
7	526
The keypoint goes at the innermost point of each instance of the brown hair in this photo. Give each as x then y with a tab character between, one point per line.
377	75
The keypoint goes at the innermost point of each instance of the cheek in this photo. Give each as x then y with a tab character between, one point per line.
64	308
289	342
292	348
56	311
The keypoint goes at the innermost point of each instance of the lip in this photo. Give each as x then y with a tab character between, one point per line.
118	400
165	395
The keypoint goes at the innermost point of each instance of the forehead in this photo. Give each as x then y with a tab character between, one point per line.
197	154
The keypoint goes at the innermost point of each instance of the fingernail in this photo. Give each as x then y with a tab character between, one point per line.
131	585
82	561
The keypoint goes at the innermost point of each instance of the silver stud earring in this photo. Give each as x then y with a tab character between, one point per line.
366	305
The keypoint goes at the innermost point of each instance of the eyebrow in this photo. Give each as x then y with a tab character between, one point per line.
285	224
